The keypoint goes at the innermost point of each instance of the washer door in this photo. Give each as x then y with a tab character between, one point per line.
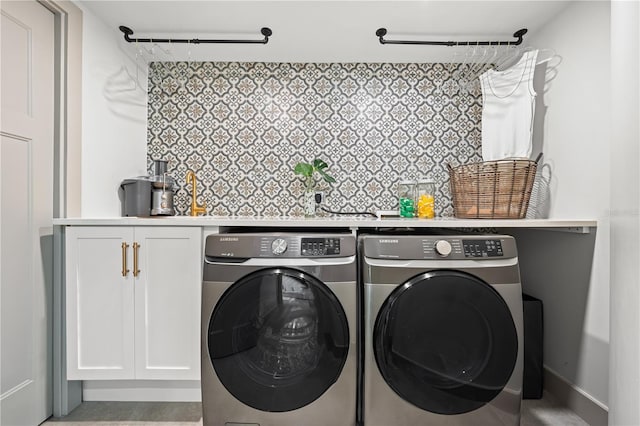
278	339
445	341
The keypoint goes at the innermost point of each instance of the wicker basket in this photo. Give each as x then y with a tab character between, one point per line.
492	189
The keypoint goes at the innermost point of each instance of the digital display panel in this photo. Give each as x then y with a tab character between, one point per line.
482	248
320	246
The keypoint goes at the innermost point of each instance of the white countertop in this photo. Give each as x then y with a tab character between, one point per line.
322	222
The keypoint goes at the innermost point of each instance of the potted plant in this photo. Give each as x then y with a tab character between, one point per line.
307	171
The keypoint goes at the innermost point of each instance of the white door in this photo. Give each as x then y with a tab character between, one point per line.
99	297
168	303
26	212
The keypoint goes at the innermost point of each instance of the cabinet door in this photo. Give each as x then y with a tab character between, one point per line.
100	310
167	298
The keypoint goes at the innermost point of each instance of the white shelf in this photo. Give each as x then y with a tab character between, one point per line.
570	225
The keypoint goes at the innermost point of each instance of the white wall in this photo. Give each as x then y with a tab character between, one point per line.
576	142
570	272
114	126
625	215
325	31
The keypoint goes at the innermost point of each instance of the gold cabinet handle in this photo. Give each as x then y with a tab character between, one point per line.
136	271
125	271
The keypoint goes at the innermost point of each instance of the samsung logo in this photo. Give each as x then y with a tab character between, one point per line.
229	239
388	241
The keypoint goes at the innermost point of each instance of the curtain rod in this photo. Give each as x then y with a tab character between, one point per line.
381	32
128	32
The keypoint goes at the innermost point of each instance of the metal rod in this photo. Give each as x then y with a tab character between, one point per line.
128	32
381	32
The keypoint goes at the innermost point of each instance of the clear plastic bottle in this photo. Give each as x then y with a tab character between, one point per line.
406	198
425	199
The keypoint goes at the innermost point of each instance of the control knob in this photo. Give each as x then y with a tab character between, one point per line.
443	248
278	246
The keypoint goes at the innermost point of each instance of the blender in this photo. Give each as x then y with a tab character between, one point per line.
163	187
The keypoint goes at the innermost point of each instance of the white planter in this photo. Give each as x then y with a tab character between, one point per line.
309	203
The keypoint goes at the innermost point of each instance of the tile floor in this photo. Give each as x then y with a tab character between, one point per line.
542	412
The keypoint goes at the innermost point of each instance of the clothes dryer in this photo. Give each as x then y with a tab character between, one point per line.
443	330
278	329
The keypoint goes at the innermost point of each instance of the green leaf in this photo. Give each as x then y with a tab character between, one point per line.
318	164
326	177
307	170
304	169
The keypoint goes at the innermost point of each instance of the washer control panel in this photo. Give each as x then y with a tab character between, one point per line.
482	248
279	245
319	246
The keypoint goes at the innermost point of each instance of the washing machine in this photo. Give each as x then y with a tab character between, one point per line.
278	329
443	330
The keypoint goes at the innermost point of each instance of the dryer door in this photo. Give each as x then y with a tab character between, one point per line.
445	341
278	339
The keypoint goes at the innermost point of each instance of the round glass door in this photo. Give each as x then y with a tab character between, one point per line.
445	341
278	339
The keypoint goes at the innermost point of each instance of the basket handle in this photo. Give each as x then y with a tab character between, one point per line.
538	157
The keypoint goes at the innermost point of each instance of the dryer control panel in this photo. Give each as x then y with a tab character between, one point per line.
482	248
438	247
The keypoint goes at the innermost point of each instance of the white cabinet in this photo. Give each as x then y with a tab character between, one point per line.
133	302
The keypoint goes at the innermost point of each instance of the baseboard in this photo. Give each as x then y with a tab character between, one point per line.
141	390
574	398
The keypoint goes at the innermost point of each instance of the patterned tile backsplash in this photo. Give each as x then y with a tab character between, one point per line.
242	127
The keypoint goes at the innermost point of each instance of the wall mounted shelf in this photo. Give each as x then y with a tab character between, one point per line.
580	226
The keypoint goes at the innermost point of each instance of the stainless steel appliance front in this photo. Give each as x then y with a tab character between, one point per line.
443	330
278	329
